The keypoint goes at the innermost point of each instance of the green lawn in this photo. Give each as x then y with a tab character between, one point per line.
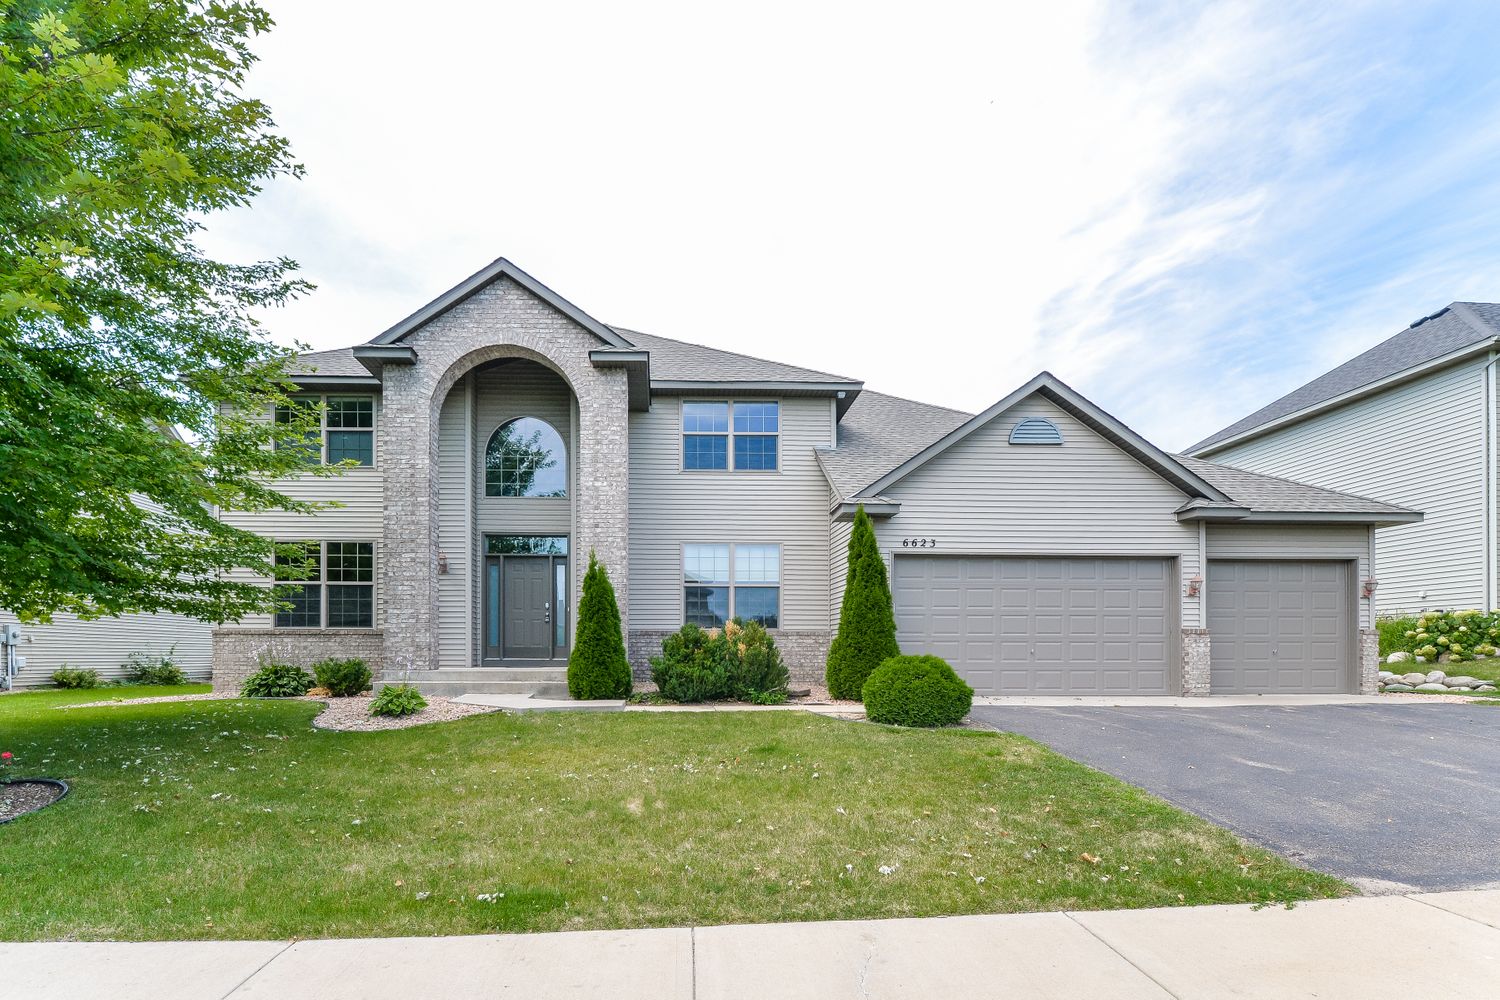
236	819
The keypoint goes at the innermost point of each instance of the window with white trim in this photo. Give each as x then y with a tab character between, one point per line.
345	432
722	582
327	585
731	435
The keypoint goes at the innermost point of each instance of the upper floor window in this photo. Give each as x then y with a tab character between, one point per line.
346	429
328	585
728	435
525	458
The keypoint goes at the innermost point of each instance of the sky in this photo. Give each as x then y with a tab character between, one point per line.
1183	210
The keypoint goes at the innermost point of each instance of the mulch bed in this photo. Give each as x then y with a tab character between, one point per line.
17	798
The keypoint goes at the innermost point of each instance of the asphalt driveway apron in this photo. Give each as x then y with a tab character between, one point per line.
1391	797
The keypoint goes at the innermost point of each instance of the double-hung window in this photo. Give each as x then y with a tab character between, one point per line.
328	585
722	582
345	432
730	435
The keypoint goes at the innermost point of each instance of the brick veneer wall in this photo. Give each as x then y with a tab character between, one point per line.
502	320
804	651
1196	646
239	652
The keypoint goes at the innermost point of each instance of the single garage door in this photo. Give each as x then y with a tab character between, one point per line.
1280	627
1041	626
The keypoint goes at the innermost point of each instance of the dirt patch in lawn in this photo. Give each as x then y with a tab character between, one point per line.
353	714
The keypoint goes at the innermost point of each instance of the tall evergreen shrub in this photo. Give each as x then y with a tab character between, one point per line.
598	666
867	623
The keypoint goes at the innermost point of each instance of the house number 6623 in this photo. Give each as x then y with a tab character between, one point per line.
919	543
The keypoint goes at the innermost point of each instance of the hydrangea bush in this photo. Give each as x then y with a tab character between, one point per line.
1460	635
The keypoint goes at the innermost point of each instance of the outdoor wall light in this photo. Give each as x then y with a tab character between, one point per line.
442	562
1369	588
1195	585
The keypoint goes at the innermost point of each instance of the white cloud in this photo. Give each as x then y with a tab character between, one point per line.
940	199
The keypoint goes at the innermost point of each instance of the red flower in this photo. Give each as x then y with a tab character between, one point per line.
5	756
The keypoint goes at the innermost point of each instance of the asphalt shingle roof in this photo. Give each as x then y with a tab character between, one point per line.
339	361
879	433
1272	494
1460	325
680	361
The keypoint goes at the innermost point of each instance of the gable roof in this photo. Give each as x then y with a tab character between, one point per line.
1447	335
485	276
1050	386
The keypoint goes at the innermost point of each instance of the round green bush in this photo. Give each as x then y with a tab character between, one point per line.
277	680
693	666
342	678
917	691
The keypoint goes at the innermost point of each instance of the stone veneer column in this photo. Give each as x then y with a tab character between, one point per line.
1195	662
502	320
1369	661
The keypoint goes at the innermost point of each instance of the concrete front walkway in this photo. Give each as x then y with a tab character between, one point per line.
1329	950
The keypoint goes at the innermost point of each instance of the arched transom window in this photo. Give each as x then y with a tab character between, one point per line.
525	458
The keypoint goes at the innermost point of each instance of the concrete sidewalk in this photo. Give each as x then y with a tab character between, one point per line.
1329	950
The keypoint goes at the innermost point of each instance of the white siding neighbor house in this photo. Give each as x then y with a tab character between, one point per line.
502	434
1413	420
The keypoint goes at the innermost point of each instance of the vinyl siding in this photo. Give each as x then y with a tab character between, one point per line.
838	565
985	496
103	644
670	507
1297	542
360	517
1421	445
521	389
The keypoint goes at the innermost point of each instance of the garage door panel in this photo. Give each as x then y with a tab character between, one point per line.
1042	625
1280	627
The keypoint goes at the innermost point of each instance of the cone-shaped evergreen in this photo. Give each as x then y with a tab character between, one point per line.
867	624
598	667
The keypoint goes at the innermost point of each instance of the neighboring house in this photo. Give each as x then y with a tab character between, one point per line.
104	644
502	434
1412	420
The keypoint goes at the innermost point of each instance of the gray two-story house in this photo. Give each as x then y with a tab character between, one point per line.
501	434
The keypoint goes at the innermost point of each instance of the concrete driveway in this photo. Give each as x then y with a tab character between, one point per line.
1392	797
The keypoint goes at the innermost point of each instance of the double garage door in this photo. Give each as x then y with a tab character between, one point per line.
1042	626
1083	626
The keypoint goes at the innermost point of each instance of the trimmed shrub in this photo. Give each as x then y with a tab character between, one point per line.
756	672
397	700
1457	635
867	624
693	665
917	691
72	677
598	666
342	678
277	680
143	668
1392	632
739	662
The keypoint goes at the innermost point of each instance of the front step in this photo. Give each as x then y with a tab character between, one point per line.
542	682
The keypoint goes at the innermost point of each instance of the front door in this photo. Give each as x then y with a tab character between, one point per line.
525	607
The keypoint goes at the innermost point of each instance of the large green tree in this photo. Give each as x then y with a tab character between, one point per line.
867	623
134	377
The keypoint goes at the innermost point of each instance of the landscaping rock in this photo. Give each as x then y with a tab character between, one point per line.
1401	657
1385	676
1414	679
1436	676
1398	688
1431	686
1484	688
1444	657
1462	682
1419	659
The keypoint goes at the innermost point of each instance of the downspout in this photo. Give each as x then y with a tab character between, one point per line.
1203	572
1490	397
